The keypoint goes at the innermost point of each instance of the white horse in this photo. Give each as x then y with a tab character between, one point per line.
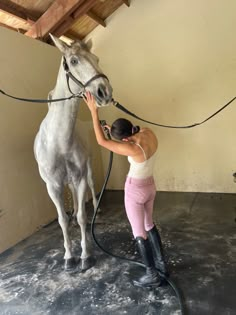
61	156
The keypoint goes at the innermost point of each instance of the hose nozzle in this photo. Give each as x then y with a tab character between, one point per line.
103	123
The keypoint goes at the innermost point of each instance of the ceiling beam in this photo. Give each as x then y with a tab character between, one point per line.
18	13
84	8
59	11
73	35
80	11
9	27
96	18
65	25
126	2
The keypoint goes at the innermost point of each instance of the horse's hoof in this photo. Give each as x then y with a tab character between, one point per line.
70	264
87	263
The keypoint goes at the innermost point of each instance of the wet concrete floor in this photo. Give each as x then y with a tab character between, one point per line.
198	233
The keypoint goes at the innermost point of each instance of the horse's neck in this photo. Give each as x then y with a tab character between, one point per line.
61	118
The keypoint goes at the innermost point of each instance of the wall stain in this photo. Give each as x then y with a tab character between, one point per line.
1	212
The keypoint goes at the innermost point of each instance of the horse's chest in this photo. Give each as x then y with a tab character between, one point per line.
63	166
60	160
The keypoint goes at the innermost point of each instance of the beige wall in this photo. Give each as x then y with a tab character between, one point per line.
28	69
174	62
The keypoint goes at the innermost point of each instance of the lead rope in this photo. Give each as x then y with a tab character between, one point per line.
121	107
35	100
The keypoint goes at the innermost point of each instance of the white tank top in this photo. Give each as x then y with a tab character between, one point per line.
143	169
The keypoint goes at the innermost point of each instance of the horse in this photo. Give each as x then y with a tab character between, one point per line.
62	157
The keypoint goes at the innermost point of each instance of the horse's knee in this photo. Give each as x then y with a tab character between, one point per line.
63	220
81	218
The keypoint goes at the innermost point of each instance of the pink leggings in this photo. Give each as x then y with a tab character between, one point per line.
139	200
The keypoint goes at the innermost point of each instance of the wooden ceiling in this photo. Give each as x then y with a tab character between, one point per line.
68	19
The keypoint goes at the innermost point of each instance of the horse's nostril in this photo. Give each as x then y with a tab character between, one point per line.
102	91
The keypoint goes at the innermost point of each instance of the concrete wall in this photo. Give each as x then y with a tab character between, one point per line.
174	62
28	69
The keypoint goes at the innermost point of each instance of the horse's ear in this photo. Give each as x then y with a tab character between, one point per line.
62	46
81	44
89	44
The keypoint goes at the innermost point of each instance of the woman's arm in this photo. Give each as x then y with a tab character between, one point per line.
90	101
125	148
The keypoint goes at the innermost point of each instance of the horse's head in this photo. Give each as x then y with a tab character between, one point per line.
83	65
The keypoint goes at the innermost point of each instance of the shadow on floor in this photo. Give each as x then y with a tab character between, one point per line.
198	232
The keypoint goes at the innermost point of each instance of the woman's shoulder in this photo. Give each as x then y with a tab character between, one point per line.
148	141
146	129
148	132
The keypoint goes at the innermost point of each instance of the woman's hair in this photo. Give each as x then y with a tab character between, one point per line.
123	128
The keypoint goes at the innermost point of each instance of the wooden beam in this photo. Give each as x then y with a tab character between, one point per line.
64	26
80	11
9	27
18	30
83	9
96	18
73	35
59	11
126	2
18	13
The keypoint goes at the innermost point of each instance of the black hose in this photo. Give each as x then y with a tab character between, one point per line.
108	174
95	214
168	280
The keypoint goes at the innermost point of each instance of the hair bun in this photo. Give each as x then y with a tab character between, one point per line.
135	129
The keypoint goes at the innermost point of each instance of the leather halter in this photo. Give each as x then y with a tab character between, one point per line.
83	86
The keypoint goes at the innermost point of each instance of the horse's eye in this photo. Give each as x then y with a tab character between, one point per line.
74	61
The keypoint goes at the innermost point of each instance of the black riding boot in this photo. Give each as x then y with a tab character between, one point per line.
158	254
151	278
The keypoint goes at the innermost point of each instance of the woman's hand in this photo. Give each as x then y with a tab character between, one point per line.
90	101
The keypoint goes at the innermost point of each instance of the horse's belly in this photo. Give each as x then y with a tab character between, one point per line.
58	170
60	165
75	171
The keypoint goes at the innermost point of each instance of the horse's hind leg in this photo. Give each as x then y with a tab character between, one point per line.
75	203
56	194
86	261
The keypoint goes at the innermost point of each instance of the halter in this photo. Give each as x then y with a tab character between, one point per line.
83	86
73	95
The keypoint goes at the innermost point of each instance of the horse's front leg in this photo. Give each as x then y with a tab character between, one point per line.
86	259
91	185
56	194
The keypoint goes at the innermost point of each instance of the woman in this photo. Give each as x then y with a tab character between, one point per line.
140	145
